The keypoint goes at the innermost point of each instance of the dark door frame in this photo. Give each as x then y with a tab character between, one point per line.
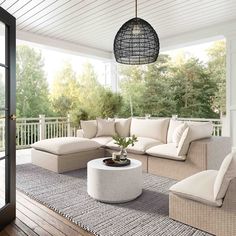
8	212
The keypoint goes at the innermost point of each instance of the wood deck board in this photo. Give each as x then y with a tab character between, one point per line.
33	218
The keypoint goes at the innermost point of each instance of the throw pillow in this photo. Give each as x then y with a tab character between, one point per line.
122	127
89	128
225	174
172	126
178	132
105	127
197	130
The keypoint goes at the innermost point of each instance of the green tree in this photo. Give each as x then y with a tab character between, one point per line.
146	89
157	98
193	90
217	71
109	103
132	85
31	85
90	91
65	91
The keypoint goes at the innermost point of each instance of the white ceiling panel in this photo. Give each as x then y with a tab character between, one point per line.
94	23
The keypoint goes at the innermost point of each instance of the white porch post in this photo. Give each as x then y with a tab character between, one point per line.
231	86
41	127
111	75
114	77
68	126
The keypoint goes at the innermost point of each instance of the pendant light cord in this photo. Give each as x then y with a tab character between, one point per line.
136	8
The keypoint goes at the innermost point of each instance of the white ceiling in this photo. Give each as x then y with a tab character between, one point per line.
94	23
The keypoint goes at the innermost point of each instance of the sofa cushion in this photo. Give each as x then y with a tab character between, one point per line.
198	187
195	131
89	128
66	145
147	128
178	132
226	173
172	126
102	140
139	147
168	151
122	127
142	145
105	127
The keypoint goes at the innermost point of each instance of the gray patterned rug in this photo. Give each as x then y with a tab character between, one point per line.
66	194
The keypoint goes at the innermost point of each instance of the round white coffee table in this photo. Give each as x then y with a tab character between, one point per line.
114	184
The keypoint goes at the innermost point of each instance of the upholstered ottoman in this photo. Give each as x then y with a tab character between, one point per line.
65	154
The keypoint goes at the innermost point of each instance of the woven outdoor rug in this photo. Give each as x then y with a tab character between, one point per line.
67	195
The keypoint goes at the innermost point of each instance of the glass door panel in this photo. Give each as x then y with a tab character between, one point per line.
2	183
7	124
2	112
2	117
2	43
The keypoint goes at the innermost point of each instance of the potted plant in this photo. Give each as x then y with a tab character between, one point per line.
123	143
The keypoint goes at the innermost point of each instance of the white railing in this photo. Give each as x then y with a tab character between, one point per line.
30	130
217	123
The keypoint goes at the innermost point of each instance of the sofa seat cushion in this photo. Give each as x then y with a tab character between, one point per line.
102	140
66	145
198	187
142	145
168	151
139	147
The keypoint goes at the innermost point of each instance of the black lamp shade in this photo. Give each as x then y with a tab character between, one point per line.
136	43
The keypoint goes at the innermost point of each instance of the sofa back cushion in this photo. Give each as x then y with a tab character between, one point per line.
226	173
155	129
122	127
172	126
105	127
89	128
195	131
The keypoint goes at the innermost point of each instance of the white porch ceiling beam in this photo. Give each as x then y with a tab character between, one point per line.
64	46
203	35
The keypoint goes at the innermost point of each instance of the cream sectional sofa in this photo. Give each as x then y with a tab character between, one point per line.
165	147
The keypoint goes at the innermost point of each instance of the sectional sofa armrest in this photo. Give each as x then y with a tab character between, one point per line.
209	153
80	133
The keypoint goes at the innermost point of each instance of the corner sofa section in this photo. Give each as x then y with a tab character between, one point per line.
202	154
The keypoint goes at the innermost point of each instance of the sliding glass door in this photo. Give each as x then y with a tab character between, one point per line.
7	118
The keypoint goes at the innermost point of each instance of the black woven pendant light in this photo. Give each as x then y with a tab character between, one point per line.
136	42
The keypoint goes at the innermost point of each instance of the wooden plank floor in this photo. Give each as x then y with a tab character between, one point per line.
33	218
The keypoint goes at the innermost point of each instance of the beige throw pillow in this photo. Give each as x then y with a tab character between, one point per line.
89	128
122	127
172	126
105	127
225	174
148	128
197	130
178	132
